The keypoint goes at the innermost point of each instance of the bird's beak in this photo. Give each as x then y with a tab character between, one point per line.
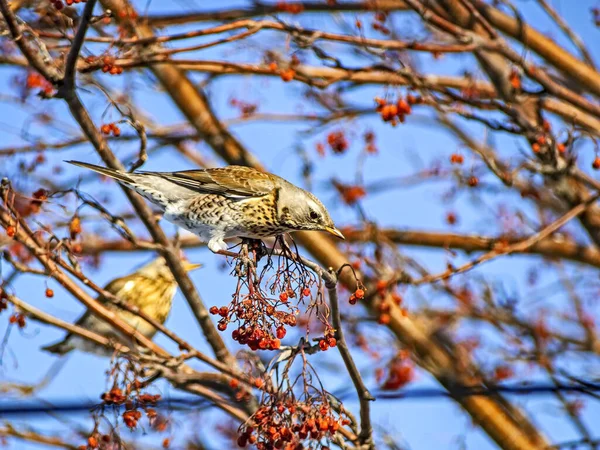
335	232
188	266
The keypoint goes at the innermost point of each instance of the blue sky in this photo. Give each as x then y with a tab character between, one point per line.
420	424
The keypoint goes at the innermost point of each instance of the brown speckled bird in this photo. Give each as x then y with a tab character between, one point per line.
233	201
151	288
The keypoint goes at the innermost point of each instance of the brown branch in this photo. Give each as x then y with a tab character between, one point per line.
364	396
34	57
48	319
68	81
519	246
564	26
37	438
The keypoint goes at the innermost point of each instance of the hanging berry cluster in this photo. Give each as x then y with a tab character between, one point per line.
394	112
350	193
108	64
384	289
37	81
18	319
400	371
110	128
287	423
266	303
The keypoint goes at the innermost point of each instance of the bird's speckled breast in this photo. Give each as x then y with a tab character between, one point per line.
206	213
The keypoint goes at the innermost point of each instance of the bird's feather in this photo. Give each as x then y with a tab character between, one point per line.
232	181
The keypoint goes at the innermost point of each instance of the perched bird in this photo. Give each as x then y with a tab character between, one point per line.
151	289
233	201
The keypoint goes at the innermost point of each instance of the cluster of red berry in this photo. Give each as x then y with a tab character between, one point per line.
39	197
35	80
358	294
383	290
394	112
133	401
17	318
337	141
400	372
109	128
253	331
328	340
108	64
350	193
370	142
378	23
456	158
246	109
286	424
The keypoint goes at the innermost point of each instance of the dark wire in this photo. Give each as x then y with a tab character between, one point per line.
26	408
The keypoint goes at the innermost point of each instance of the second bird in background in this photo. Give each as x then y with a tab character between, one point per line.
151	288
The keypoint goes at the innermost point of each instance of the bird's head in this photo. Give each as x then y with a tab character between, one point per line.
298	209
158	268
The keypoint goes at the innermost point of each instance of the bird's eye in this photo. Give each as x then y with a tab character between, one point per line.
314	215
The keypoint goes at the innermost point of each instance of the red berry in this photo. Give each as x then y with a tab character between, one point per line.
49	293
283	297
214	310
280	332
359	293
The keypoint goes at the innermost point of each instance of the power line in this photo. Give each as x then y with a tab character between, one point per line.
185	403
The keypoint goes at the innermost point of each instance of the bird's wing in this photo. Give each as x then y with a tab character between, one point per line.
231	181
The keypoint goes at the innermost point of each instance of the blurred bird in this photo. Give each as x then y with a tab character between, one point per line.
151	289
233	201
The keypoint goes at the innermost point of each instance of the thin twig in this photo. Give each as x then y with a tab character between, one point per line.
365	397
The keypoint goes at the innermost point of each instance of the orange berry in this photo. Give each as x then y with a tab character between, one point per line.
49	293
283	297
287	75
547	126
596	163
281	332
384	319
11	231
535	147
105	129
359	293
472	181
561	148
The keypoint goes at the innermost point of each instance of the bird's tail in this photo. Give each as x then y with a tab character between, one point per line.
112	173
60	348
151	185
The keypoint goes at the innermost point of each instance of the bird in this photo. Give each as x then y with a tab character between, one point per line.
227	202
150	288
